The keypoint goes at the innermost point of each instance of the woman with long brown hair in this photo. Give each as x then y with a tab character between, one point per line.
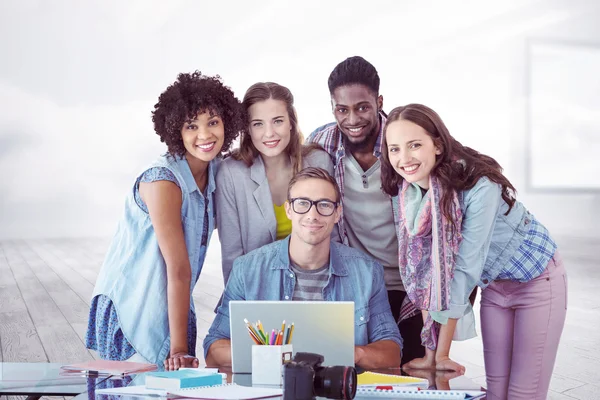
252	183
460	226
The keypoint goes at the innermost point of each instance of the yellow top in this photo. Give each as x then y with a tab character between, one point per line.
284	225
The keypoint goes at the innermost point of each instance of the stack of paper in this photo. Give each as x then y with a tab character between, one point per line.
105	367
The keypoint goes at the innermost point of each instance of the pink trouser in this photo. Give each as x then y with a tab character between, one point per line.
521	324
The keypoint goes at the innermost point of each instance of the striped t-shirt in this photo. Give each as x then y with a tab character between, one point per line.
310	283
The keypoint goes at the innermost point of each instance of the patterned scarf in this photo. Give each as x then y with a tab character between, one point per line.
422	226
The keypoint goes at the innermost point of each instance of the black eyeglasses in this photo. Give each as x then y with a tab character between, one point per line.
302	205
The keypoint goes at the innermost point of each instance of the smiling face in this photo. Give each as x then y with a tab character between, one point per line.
312	228
411	151
203	136
356	110
270	127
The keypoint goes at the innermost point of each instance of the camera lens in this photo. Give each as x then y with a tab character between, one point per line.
335	382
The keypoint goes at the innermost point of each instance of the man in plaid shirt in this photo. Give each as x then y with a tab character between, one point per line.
367	223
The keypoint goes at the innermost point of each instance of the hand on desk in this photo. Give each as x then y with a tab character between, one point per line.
181	360
437	379
435	360
442	364
446	364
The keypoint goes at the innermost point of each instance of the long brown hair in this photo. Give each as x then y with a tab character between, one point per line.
458	167
263	91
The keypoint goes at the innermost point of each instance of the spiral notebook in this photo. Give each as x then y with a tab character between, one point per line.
230	391
366	393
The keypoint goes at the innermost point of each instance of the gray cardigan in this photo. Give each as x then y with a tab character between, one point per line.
245	215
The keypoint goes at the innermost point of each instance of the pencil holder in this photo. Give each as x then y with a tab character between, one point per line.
267	363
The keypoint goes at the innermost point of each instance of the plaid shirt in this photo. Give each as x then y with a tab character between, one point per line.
330	138
533	255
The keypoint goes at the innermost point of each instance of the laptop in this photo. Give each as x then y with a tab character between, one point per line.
322	327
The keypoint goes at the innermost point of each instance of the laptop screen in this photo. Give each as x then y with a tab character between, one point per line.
322	327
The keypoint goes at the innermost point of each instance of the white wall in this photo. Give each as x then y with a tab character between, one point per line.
78	81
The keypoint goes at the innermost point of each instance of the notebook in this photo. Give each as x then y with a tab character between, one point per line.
366	393
373	379
182	379
105	367
229	391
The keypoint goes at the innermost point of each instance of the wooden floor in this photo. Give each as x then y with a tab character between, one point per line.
46	286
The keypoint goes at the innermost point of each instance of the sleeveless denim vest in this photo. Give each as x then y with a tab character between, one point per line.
134	273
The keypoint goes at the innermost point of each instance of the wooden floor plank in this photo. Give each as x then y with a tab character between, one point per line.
95	248
71	306
552	395
585	392
76	282
61	343
10	296
19	339
80	328
40	305
73	258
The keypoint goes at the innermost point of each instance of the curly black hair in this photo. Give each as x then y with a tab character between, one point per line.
190	95
354	70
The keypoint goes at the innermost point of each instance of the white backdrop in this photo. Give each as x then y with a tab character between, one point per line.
78	80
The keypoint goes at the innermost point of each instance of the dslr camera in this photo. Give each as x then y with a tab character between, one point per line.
304	379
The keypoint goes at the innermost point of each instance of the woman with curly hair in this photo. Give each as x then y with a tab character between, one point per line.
252	183
142	307
460	226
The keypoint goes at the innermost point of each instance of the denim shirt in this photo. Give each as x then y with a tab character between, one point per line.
490	239
134	273
266	274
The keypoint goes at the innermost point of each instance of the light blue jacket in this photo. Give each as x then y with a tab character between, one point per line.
489	240
134	273
265	274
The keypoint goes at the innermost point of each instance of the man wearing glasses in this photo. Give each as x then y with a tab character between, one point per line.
307	265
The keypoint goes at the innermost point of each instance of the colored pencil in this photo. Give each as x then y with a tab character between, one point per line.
262	334
253	336
287	335
250	327
291	334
